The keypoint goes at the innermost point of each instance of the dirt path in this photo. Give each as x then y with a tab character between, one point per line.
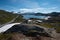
13	20
9	21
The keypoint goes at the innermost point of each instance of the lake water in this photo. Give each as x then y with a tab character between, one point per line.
33	16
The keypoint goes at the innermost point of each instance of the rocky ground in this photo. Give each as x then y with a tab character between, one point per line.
20	36
58	36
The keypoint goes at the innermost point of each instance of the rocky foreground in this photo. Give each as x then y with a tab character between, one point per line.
23	37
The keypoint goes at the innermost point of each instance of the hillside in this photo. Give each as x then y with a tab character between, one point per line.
6	16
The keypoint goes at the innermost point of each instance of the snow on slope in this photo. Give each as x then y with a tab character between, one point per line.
6	27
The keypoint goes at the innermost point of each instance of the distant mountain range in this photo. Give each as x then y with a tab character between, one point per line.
43	14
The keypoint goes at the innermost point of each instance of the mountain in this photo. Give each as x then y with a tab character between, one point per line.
48	14
54	14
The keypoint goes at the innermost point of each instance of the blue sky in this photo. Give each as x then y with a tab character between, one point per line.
44	6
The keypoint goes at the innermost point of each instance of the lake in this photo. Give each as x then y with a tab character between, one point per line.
33	16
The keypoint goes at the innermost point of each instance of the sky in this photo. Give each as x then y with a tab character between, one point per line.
23	6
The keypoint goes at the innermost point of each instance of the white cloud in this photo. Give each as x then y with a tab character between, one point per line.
33	6
30	4
27	3
30	10
42	10
54	8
